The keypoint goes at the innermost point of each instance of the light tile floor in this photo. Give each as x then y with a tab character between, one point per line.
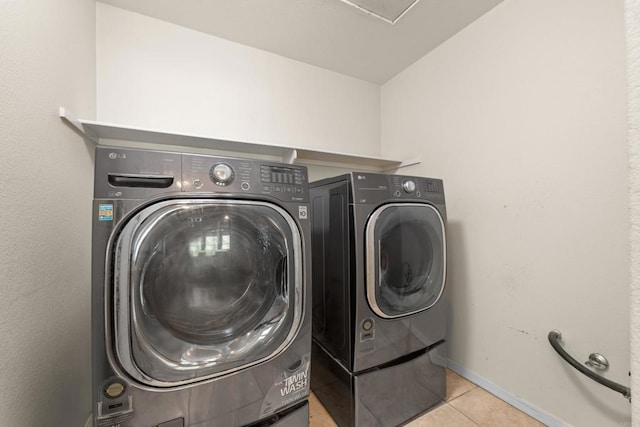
467	405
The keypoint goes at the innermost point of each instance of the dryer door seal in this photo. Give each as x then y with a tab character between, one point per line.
405	258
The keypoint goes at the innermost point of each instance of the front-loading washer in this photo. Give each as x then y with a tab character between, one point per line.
201	313
379	300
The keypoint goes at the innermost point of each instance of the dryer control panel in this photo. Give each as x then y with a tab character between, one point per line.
377	188
412	187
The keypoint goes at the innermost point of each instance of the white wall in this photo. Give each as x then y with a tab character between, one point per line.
47	51
523	114
633	84
158	75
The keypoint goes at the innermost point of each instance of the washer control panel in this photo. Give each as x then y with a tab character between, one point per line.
129	173
202	173
281	179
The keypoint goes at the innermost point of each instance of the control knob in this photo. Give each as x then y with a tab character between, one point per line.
408	186
221	174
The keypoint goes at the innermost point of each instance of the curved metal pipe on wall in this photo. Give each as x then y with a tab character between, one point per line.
554	339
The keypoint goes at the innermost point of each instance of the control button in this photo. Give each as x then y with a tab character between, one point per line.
277	188
221	174
409	186
197	184
288	189
266	188
367	324
114	389
397	194
245	186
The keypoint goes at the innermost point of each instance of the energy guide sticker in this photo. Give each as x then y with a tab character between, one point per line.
105	212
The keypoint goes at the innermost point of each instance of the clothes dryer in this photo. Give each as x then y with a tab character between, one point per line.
200	291
379	300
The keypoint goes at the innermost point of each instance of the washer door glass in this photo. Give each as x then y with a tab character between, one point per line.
405	259
203	288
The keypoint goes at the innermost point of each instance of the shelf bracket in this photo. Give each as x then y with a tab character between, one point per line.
76	125
290	156
403	164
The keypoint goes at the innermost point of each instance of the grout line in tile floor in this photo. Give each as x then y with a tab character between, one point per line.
466	405
447	402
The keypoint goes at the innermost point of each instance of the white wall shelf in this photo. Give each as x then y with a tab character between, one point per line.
97	131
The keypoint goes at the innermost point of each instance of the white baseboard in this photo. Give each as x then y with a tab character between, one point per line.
540	415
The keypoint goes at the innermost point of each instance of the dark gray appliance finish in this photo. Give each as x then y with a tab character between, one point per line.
201	314
387	396
379	270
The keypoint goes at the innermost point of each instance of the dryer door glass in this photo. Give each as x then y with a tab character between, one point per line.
405	259
205	288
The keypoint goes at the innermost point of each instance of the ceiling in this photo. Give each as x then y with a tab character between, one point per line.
330	34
